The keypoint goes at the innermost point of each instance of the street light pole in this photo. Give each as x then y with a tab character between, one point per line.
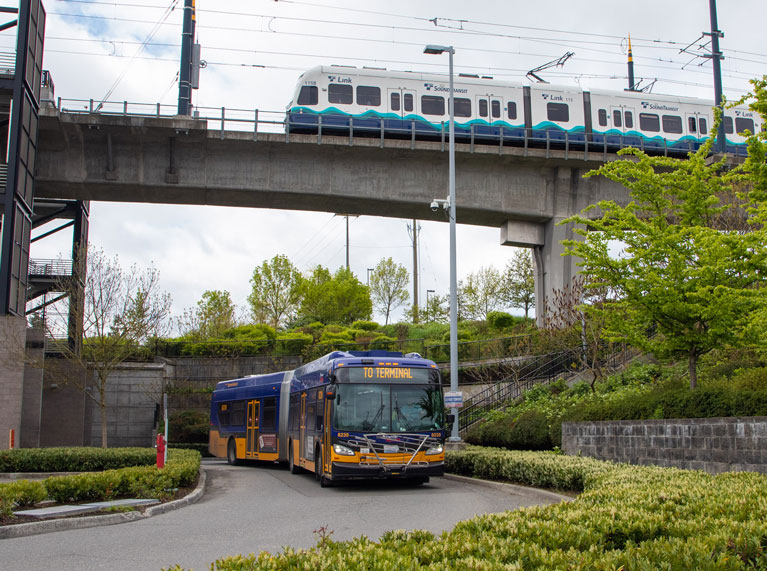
432	49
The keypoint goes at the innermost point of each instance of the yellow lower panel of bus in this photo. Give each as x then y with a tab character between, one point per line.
217	444
387	459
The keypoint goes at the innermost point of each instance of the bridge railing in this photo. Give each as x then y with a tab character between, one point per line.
41	267
258	121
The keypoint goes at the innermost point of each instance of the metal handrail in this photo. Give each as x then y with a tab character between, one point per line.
279	122
42	267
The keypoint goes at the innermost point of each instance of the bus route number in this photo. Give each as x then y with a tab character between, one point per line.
388	372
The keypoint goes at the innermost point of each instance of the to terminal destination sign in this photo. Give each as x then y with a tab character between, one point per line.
454	399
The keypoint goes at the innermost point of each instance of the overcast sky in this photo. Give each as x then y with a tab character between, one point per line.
255	51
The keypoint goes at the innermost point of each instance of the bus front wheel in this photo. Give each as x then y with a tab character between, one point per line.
231	453
291	462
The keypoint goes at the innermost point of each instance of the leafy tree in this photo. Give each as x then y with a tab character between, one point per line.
388	287
681	286
120	310
275	293
214	314
480	294
519	281
338	298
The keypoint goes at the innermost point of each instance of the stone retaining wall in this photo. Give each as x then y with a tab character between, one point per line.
714	445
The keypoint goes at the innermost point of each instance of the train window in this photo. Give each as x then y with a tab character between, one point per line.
308	95
483	107
268	422
558	112
702	126
368	96
629	119
602	114
672	124
432	105
617	118
394	101
512	110
728	125
649	122
691	124
338	93
408	101
462	107
744	124
495	108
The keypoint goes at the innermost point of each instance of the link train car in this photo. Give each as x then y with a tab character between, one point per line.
335	99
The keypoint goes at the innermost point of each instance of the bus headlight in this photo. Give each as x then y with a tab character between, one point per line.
434	450
342	450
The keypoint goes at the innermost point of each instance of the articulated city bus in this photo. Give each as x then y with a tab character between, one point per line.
347	415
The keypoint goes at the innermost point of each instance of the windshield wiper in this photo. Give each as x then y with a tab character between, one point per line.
399	412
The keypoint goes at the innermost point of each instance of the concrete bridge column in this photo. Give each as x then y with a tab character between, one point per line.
566	194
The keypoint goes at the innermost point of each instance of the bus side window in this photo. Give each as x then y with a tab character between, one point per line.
237	414
270	414
310	415
295	411
223	414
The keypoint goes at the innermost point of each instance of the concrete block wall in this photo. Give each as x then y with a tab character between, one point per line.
713	445
12	342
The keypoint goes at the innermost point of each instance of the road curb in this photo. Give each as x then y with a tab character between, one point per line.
512	488
52	525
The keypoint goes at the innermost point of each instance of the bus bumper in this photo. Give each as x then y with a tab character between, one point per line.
349	471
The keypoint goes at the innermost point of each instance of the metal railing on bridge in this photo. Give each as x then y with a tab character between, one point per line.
50	268
257	122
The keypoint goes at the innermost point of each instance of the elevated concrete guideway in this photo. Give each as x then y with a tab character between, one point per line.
173	160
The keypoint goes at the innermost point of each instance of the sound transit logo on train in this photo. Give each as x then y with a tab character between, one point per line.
739	113
658	106
435	87
339	79
551	97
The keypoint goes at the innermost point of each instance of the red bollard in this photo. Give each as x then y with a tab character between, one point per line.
12	439
160	451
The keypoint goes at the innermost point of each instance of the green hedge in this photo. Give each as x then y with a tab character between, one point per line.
137	482
627	517
79	459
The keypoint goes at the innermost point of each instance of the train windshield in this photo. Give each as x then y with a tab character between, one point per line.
388	408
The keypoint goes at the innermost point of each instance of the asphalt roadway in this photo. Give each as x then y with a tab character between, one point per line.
261	507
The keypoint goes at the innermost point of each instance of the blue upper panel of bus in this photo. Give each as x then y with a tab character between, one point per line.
251	387
316	373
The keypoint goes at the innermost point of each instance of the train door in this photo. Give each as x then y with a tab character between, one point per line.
622	118
489	108
697	127
254	409
401	104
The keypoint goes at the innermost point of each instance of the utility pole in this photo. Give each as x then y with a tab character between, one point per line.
185	71
347	241
415	270
716	58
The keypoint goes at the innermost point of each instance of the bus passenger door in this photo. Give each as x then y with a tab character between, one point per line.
302	431
254	408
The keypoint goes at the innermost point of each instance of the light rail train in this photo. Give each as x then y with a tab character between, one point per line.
334	99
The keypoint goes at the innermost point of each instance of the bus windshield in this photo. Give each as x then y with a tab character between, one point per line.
388	408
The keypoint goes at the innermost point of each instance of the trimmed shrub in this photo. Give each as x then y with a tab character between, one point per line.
20	494
384	343
365	325
500	320
80	459
293	343
626	517
189	426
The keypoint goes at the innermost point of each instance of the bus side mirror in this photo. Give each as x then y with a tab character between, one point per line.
449	420
330	392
